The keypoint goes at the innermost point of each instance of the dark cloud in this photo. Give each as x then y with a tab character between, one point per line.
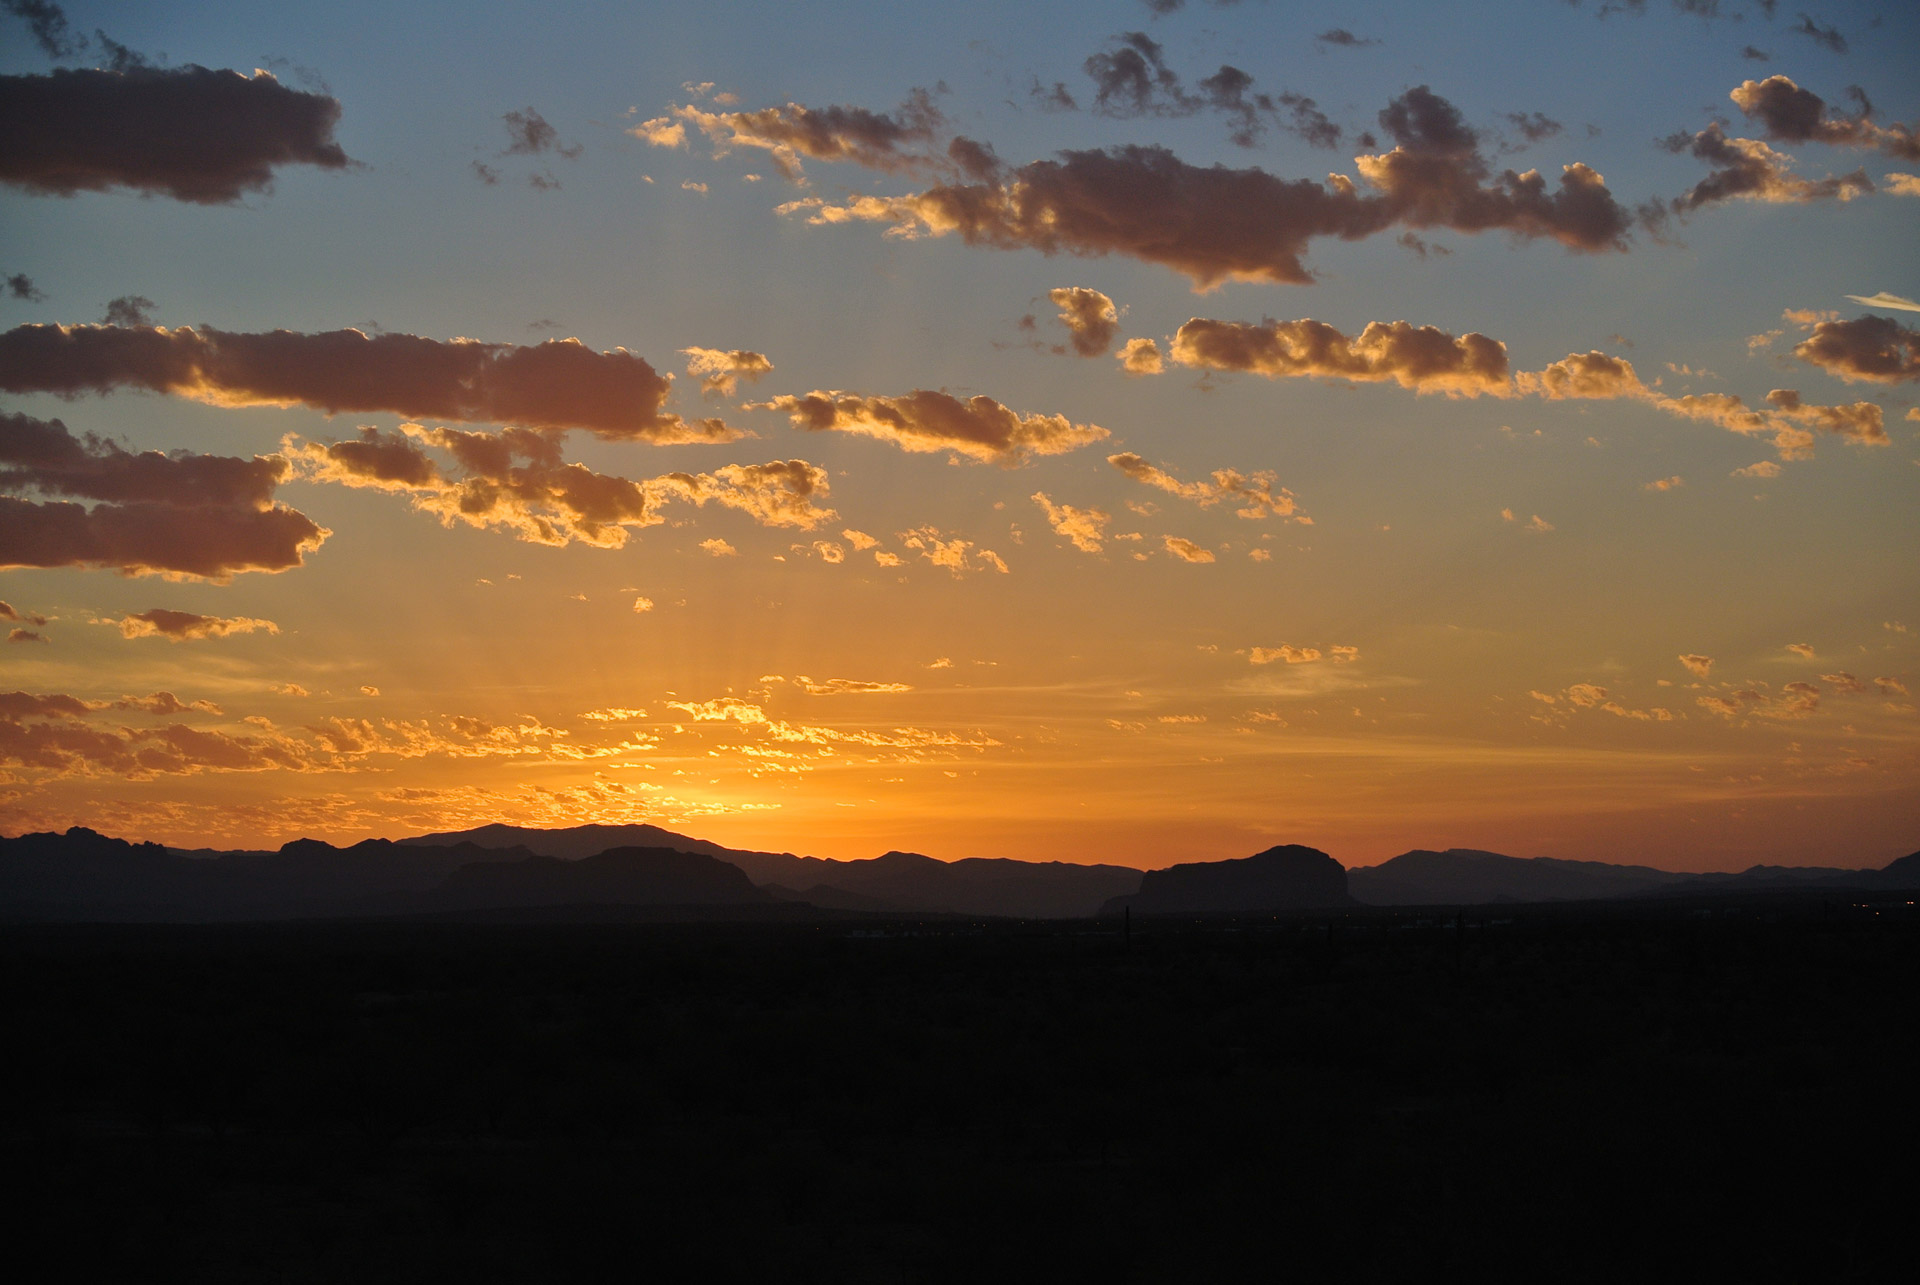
1090	318
43	456
1216	224
179	515
1534	126
1341	38
925	421
558	384
1790	114
1825	37
49	26
1875	350
196	135
517	480
7	612
148	538
21	286
1756	55
1054	98
1134	80
486	173
129	310
529	134
181	626
1747	169
1422	358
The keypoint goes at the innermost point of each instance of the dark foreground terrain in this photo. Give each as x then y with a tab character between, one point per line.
1564	1092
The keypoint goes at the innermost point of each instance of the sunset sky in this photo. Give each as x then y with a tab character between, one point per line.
1114	431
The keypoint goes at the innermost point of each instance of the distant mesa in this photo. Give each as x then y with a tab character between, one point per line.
1286	878
1468	877
617	877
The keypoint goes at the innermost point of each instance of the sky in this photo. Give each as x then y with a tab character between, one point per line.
1121	431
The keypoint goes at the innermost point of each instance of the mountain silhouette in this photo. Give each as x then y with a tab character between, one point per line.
1290	877
616	877
903	882
1465	876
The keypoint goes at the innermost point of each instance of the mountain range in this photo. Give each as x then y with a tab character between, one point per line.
594	870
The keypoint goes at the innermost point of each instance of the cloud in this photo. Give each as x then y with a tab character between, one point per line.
7	612
1134	80
1534	126
1664	484
42	455
1341	38
208	137
1802	650
1697	664
1253	493
721	371
1844	683
952	553
24	636
848	687
1826	37
1290	654
641	606
518	480
719	548
1903	184
1089	317
1884	300
146	538
1536	524
48	25
925	421
883	141
1875	350
529	134
1421	358
1791	114
1585	696
558	384
20	286
129	310
1765	468
179	515
1141	357
1216	224
1891	687
179	626
1747	169
1186	550
1086	528
1790	421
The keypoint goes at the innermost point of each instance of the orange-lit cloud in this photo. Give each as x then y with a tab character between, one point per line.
1090	318
876	140
942	550
1421	358
720	371
925	421
558	384
194	134
1141	357
179	626
1086	528
1186	550
1215	224
1791	114
1747	169
1254	493
1697	664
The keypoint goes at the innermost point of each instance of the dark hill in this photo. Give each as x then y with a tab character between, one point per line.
906	882
618	877
1290	877
1466	877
